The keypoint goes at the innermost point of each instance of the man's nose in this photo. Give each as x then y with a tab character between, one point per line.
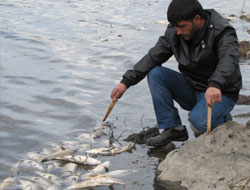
178	31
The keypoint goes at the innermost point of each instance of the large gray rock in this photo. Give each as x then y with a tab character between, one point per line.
219	160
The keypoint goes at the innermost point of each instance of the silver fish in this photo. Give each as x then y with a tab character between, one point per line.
112	150
80	160
98	133
96	181
57	154
102	129
7	183
36	180
72	178
47	176
98	150
28	185
70	167
119	173
71	145
101	168
26	165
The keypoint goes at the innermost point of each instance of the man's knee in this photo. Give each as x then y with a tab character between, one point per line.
199	122
154	73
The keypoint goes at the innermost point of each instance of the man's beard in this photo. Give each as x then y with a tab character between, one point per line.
193	33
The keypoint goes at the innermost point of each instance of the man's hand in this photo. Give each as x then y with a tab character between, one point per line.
212	96
118	91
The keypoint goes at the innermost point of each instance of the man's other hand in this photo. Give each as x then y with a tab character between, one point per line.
213	96
118	91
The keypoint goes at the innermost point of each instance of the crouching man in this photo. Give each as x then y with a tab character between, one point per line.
205	47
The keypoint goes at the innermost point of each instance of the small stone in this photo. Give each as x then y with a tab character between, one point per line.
248	124
245	17
244	49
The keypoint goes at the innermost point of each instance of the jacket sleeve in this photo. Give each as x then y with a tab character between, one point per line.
228	55
157	55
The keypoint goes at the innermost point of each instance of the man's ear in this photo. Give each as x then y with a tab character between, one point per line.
197	19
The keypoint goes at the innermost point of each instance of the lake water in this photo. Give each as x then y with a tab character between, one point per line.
59	61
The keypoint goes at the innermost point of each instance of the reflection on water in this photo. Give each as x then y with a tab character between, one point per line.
59	61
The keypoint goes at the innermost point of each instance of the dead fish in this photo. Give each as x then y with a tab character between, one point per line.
87	160
85	138
119	150
98	133
33	156
80	160
72	178
26	165
70	167
37	183
71	145
52	149
98	150
57	154
53	187
101	129
96	181
47	176
83	147
36	180
119	173
7	183
112	151
52	166
101	168
28	185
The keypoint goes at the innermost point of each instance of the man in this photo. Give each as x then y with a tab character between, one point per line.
205	47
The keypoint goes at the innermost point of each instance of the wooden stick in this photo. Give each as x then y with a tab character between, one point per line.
109	110
209	115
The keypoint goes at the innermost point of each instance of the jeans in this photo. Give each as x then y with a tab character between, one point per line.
167	86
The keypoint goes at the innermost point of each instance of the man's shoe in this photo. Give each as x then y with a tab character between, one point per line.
167	136
196	132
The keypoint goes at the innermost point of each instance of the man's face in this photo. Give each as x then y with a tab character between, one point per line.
187	29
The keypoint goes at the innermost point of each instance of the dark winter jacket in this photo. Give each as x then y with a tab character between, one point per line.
212	59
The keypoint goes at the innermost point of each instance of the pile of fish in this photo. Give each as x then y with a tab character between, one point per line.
69	165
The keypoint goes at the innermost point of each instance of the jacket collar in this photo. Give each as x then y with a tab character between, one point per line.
201	35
